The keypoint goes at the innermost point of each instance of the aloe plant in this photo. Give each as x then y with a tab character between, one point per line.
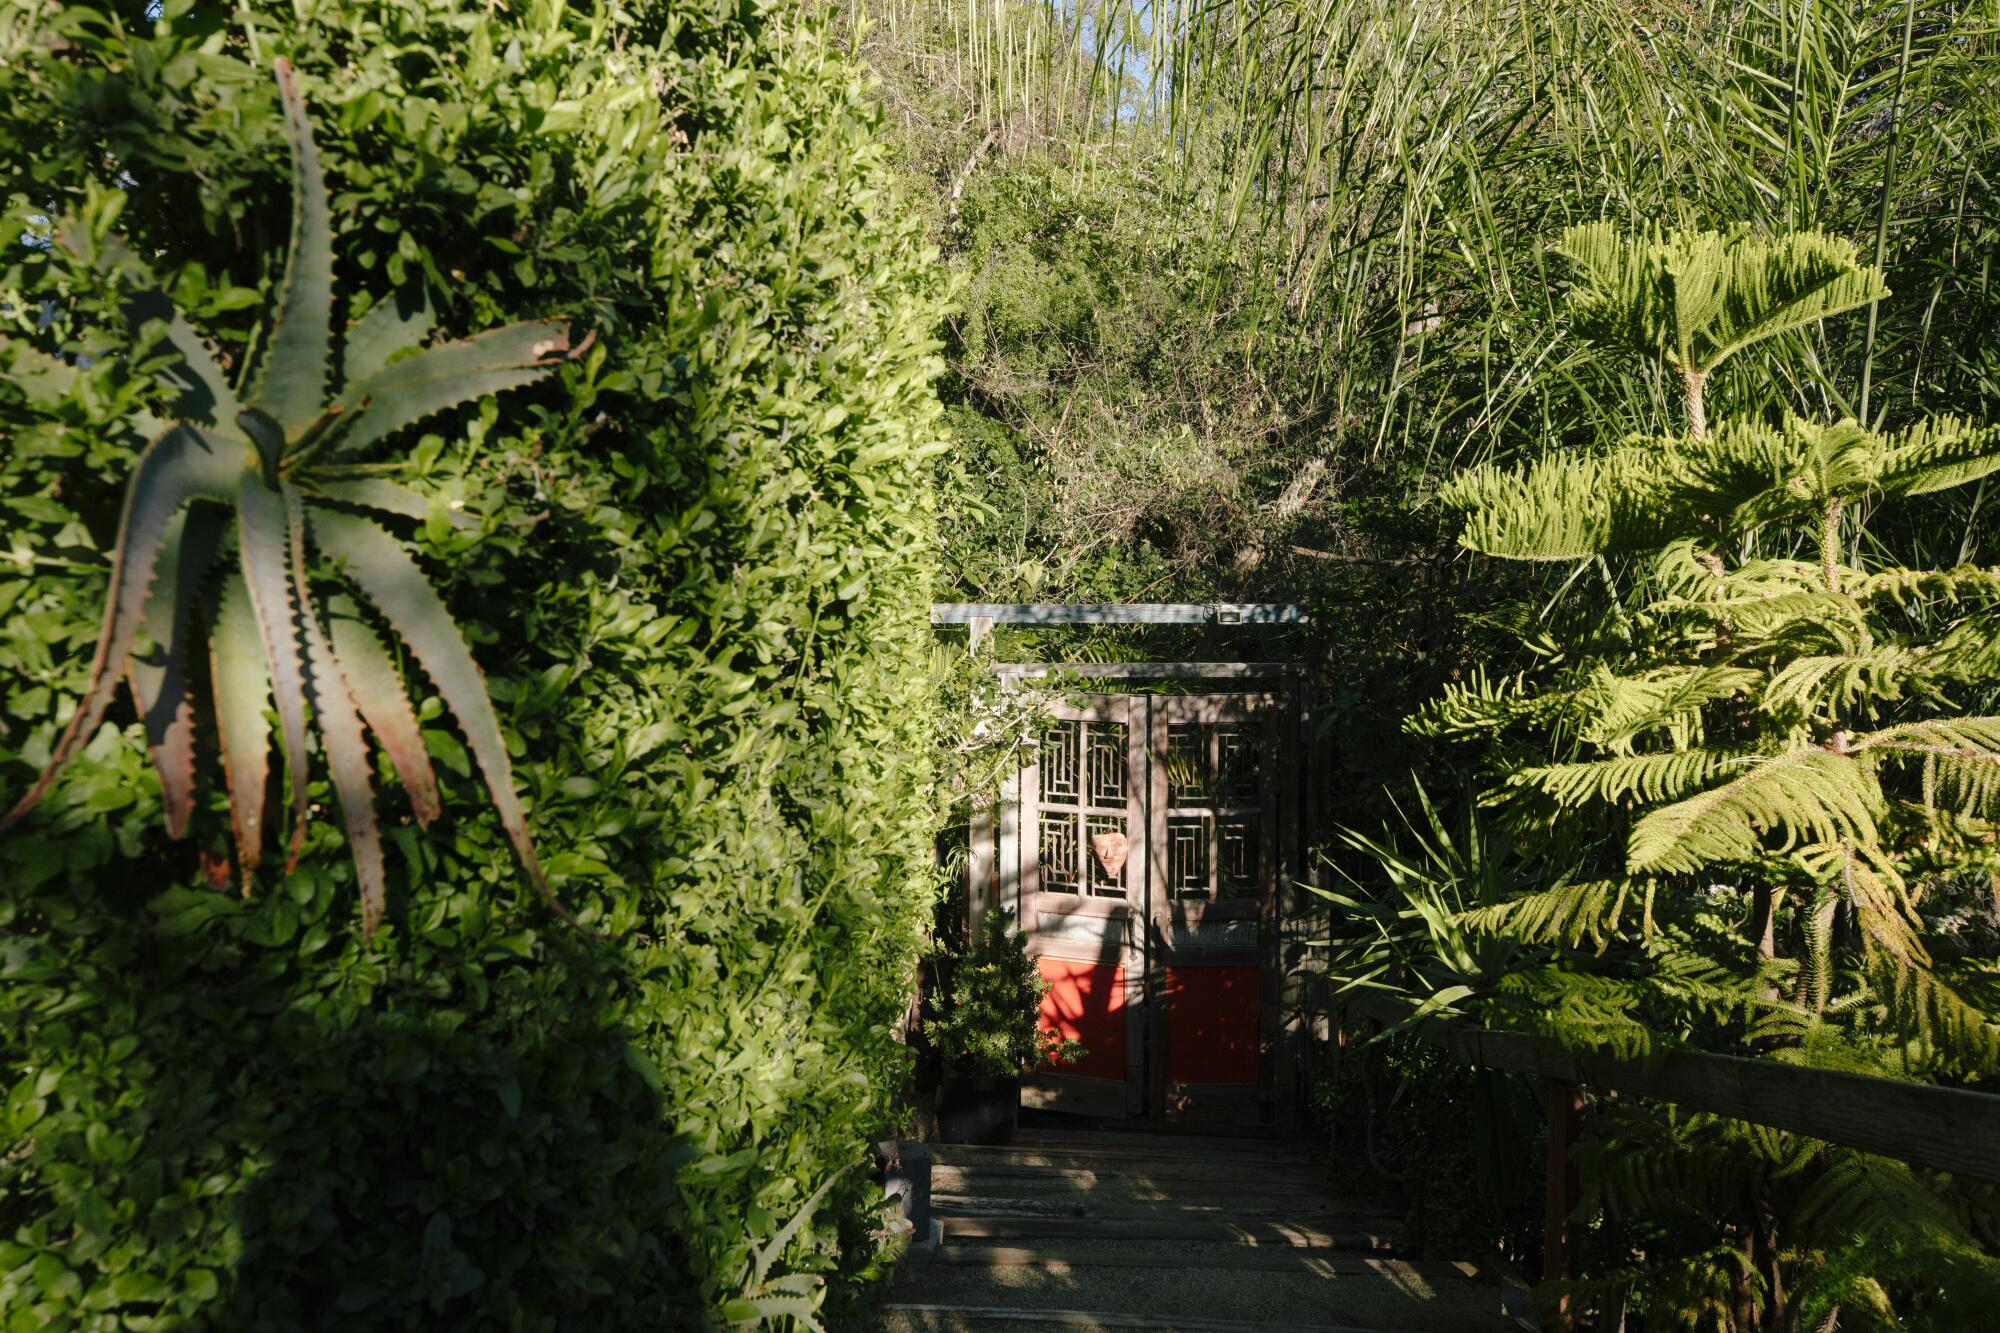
281	456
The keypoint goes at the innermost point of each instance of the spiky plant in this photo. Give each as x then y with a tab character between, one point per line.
271	468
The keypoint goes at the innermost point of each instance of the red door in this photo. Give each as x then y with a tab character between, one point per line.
1141	842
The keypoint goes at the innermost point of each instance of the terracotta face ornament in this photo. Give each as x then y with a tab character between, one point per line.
1111	850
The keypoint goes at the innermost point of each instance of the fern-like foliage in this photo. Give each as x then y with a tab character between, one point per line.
1739	478
1732	797
1629	777
1697	297
1798	796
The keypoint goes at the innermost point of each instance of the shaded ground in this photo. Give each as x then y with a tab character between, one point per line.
1126	1229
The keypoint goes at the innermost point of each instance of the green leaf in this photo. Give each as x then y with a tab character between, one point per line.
181	911
384	496
242	686
340	733
202	390
447	374
1802	796
1701	296
158	677
44	381
382	697
181	465
386	575
390	326
266	538
291	384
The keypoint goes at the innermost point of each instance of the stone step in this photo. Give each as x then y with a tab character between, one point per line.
915	1317
1248	1144
1036	1182
1184	1146
1327	1232
1073	1254
1195	1165
1117	1229
1391	1297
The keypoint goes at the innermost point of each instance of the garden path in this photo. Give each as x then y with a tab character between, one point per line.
1102	1229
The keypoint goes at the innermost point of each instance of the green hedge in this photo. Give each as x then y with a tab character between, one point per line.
698	591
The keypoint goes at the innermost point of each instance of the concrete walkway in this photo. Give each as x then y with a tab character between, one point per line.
1095	1229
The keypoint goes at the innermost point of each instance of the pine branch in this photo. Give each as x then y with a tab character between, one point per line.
1804	795
1647	777
1620	708
1697	297
1567	914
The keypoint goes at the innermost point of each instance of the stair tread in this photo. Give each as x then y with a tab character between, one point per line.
1388	1296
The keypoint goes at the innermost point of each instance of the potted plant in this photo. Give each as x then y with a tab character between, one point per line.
986	1028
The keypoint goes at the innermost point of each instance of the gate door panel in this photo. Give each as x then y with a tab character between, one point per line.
1082	831
1212	914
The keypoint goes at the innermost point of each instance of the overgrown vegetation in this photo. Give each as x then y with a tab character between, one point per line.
1756	783
692	563
1248	285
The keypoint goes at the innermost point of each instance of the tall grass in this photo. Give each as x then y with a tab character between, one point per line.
1374	180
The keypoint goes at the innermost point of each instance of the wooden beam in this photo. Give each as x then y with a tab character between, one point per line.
1947	1129
1560	1199
1119	613
1152	670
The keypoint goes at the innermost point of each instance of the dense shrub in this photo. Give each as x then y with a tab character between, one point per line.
696	586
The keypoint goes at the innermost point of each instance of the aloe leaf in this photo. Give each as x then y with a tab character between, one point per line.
268	438
447	374
340	733
292	380
389	327
242	686
202	389
388	577
181	465
158	677
266	537
384	496
384	700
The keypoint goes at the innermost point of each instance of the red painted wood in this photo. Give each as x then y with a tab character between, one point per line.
1212	1024
1086	1002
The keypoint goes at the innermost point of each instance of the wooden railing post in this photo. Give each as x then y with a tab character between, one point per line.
1565	1103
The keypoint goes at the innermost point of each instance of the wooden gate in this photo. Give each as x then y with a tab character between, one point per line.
1147	838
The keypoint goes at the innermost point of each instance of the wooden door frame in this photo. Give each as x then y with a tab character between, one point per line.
1170	922
999	874
1118	937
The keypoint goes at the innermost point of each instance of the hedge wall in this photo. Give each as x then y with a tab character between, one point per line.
697	589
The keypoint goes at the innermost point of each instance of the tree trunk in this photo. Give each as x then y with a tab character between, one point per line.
1693	382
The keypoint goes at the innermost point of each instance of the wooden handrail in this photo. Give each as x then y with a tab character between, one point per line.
1947	1129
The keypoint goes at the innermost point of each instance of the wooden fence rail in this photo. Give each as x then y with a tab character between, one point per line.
1947	1129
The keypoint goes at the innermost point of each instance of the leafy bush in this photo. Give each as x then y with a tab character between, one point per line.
694	572
987	1021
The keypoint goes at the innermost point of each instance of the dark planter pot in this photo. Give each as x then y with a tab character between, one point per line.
984	1109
